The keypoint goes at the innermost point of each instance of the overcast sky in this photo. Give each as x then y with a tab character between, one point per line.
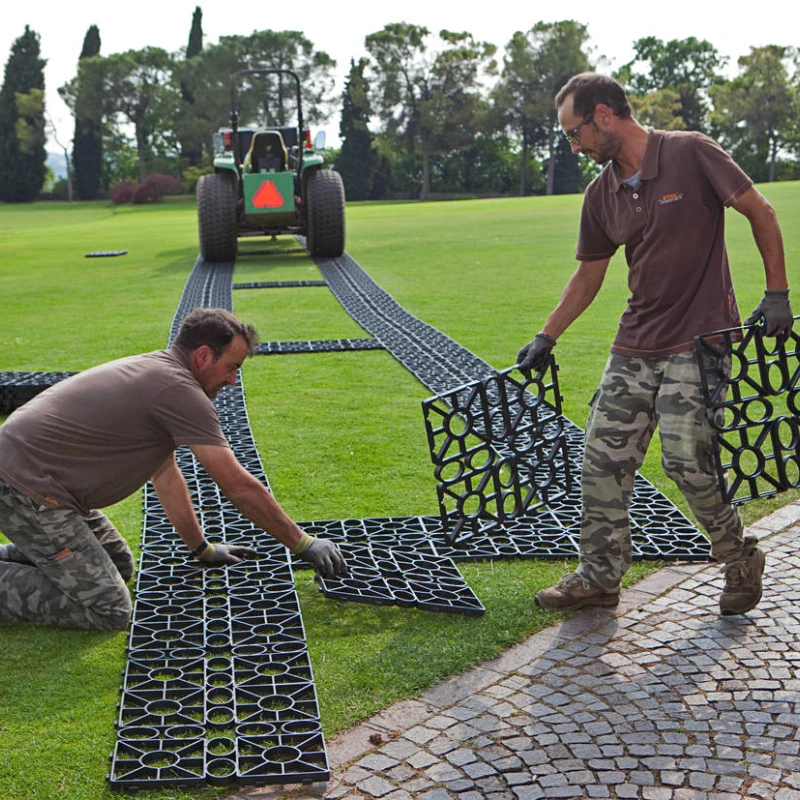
339	28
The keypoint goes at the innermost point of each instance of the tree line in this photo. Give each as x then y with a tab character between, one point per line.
422	113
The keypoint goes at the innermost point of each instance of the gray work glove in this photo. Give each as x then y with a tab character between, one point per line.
323	555
536	354
223	555
774	312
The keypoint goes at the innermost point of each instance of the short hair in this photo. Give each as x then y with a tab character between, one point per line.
216	328
588	89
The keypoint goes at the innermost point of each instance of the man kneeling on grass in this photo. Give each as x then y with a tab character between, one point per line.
97	437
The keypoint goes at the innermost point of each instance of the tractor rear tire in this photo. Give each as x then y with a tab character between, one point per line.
216	217
325	205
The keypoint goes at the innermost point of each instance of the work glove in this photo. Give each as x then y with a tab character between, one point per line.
223	555
323	555
535	354
774	312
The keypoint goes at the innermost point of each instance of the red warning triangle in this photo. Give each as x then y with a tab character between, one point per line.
268	196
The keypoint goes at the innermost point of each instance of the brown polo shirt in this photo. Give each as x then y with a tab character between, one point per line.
673	229
98	436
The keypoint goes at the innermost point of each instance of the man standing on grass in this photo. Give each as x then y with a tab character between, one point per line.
97	437
663	196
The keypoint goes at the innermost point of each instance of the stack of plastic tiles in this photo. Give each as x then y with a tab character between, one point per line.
751	389
499	450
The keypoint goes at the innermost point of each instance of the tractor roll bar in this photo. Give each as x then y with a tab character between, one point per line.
235	110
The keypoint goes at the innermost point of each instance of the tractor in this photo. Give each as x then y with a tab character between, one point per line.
268	181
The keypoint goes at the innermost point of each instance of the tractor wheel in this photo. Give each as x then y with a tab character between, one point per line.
216	217
325	206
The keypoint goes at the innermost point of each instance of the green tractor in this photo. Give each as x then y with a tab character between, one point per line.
269	181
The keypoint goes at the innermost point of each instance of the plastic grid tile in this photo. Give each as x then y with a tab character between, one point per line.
750	383
150	757
385	576
277	284
316	346
499	450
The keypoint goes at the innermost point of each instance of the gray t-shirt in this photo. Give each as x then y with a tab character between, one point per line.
100	435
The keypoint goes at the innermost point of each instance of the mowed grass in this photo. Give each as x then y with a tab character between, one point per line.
340	434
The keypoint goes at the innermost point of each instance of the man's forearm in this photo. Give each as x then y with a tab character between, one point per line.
263	510
769	241
177	504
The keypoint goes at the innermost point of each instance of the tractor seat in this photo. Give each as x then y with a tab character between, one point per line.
267	152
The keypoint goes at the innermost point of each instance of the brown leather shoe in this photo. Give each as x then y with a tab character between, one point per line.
573	592
743	585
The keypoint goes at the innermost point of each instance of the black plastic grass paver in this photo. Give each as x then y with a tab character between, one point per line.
152	759
750	383
316	346
276	284
403	577
499	450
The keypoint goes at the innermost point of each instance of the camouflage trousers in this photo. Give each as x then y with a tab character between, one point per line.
637	395
62	568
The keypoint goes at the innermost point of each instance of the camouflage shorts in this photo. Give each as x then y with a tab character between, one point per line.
67	570
637	395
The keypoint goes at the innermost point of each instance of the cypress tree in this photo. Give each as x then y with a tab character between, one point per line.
22	154
87	148
195	46
356	158
193	155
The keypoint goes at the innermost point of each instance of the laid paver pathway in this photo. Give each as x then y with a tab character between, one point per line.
659	699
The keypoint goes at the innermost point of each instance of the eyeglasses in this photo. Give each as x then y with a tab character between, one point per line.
572	134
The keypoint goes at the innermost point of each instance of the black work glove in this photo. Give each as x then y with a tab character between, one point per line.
535	354
223	555
323	555
774	312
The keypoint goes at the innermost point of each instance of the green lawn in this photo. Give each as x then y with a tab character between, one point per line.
340	434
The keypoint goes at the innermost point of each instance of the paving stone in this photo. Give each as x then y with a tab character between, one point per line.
529	793
375	786
377	763
421	760
443	773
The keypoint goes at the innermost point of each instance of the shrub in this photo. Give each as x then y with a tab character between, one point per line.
123	193
146	193
163	184
191	175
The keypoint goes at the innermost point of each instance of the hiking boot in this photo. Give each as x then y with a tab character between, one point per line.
743	585
573	592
